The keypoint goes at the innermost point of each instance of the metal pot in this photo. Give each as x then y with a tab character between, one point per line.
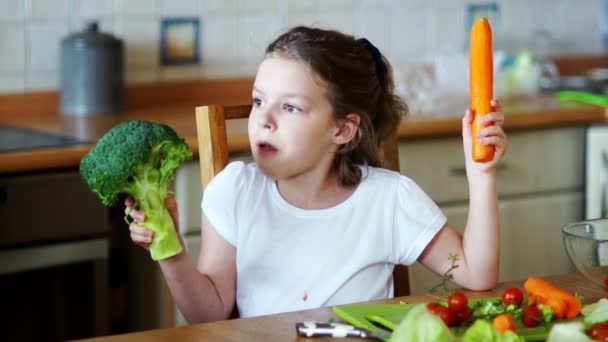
91	73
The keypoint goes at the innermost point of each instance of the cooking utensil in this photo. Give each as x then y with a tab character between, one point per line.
337	330
91	73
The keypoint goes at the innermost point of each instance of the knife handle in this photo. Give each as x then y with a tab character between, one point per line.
320	329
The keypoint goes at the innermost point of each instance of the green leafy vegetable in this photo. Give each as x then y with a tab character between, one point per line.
419	325
139	158
568	332
595	313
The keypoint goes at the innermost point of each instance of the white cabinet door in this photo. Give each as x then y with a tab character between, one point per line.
531	237
596	187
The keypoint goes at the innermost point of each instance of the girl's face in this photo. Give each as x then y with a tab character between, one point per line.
291	128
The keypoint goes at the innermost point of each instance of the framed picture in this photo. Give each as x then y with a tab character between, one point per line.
179	41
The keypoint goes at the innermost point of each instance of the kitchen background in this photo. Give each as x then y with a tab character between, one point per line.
235	32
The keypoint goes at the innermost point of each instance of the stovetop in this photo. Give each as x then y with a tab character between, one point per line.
18	138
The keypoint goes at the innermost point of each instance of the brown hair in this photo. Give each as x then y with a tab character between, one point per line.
359	81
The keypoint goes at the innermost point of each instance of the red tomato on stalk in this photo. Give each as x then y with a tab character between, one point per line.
598	331
531	316
464	315
447	316
512	295
458	301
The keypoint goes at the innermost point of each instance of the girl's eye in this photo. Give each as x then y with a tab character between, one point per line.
291	109
256	102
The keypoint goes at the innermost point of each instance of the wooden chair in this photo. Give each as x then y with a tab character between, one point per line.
213	156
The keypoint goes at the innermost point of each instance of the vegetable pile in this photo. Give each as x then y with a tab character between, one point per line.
138	158
541	312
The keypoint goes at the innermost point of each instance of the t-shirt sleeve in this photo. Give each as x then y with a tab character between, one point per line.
220	200
418	219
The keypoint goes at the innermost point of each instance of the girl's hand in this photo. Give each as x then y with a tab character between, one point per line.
493	135
140	235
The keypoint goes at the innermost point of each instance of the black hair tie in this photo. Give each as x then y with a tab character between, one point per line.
376	56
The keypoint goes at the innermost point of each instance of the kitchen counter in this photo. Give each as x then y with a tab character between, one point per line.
533	112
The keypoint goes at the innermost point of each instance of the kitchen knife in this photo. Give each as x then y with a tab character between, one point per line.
320	329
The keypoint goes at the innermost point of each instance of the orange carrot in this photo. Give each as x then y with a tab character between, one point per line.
481	82
563	303
503	322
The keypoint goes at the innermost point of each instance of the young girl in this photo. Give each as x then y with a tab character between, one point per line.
315	221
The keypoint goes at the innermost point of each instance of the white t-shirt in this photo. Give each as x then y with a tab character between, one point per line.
288	258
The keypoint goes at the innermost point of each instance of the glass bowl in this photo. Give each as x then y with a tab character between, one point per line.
586	244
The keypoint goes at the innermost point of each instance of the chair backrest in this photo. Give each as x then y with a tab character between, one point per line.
213	157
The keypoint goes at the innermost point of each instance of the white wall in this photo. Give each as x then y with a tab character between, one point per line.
235	32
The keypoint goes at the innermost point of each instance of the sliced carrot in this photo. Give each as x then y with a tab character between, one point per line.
503	322
481	80
563	303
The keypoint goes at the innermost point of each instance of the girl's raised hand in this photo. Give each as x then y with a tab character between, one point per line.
493	134
140	235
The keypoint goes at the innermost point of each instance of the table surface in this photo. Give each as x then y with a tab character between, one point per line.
281	327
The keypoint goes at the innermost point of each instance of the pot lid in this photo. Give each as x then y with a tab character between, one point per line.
90	37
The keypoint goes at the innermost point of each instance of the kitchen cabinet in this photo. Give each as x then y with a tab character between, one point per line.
540	185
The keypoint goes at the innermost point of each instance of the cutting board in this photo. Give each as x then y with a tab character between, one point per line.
376	316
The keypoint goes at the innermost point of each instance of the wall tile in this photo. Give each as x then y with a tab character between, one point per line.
222	6
12	58
309	18
174	8
341	21
256	31
137	8
301	5
45	9
12	10
92	9
219	39
44	43
12	83
42	80
141	43
260	5
223	70
180	73
141	76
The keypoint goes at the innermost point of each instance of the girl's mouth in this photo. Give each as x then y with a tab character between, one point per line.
265	148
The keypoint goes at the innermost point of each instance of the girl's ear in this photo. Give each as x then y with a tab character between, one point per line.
346	128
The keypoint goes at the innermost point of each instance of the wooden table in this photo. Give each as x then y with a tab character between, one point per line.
281	327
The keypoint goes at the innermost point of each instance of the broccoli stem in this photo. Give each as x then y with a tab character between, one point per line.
165	242
150	197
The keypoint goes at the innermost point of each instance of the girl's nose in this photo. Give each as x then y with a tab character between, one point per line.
266	119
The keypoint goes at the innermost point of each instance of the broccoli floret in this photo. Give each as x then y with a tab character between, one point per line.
139	158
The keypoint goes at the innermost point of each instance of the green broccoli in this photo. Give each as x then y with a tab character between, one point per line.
139	158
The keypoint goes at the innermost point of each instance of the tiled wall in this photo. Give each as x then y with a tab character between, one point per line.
235	32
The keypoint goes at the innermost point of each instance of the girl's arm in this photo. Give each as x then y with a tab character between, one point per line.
204	293
478	249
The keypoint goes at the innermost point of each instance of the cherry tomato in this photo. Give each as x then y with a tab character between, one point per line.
598	331
458	301
606	280
531	316
447	316
432	307
512	295
463	316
